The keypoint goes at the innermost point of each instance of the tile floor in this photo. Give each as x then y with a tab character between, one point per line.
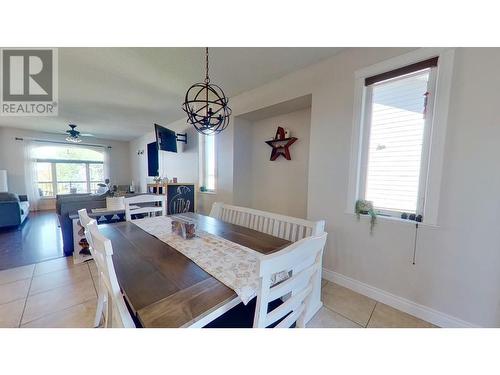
58	293
344	308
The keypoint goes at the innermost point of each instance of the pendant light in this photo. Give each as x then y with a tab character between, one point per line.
206	105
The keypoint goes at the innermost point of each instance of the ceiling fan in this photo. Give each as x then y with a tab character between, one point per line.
74	135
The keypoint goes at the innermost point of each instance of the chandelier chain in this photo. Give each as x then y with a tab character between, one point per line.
207	78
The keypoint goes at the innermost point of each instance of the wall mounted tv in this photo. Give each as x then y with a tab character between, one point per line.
153	162
166	139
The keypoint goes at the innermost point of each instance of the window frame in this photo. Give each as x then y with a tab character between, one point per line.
432	152
424	162
203	165
55	181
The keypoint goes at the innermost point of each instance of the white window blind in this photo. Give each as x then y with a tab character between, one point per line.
207	162
396	114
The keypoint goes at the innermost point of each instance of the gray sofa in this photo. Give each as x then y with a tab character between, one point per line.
67	204
14	209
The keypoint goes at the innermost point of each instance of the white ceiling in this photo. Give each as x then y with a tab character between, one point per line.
118	93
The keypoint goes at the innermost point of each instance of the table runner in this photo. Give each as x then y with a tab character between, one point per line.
234	265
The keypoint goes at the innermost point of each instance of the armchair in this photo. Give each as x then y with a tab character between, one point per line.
14	209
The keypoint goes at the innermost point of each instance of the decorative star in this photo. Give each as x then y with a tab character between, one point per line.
280	145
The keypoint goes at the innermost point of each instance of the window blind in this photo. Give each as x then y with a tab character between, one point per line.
395	142
207	161
421	65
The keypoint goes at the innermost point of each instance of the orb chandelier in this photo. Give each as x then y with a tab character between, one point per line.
206	105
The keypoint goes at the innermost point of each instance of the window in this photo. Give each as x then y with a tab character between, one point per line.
67	169
207	162
398	113
395	141
399	132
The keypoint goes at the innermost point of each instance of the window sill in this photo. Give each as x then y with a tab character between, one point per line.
395	220
208	192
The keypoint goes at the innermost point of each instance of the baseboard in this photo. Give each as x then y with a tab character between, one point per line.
420	311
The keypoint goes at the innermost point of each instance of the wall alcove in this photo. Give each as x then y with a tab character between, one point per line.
278	186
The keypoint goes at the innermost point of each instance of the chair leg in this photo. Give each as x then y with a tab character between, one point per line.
300	323
100	308
109	314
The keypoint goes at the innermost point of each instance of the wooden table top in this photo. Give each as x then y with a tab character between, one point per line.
165	288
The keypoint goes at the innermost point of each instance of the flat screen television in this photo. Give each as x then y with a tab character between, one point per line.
166	139
153	162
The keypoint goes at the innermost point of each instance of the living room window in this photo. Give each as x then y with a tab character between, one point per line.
68	169
207	162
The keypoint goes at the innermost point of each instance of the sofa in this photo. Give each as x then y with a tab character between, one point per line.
14	209
68	204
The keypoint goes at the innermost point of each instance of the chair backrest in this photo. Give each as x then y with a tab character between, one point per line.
302	260
155	204
116	309
85	220
286	227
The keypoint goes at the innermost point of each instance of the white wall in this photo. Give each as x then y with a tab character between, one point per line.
183	164
278	186
456	272
12	158
243	179
457	265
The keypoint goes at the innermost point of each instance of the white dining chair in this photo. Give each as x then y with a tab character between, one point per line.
302	260
85	220
149	204
289	228
282	304
116	312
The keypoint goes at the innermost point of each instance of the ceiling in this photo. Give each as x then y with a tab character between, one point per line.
118	93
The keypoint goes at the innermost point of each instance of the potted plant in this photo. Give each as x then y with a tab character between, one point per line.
364	207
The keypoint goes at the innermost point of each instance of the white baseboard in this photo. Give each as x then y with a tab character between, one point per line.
420	311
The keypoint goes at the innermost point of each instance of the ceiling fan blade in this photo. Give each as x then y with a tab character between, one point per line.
87	135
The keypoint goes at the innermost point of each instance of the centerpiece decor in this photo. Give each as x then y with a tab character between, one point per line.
206	105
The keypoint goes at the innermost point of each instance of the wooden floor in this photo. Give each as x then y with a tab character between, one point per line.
37	240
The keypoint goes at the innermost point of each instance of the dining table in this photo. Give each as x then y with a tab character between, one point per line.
166	289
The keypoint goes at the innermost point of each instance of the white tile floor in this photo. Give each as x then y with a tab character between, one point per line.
55	293
58	293
344	308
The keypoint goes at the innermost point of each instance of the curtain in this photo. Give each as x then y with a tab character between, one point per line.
106	169
30	175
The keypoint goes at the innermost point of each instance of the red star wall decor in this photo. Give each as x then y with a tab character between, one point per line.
280	144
